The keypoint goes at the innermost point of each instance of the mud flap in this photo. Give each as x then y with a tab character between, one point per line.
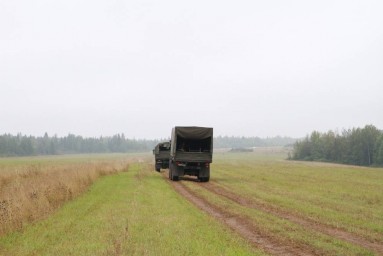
173	171
204	172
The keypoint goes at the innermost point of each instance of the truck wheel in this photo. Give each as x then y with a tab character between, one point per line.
158	169
204	179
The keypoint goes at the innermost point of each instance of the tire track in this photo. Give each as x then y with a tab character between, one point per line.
241	225
322	228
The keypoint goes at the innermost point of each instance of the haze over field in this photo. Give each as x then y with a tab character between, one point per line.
246	68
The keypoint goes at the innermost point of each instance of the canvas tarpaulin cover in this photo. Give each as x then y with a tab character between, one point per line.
163	146
194	132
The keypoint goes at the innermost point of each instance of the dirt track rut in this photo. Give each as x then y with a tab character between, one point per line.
250	232
310	224
241	225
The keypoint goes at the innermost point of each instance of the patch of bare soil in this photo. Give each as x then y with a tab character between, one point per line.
307	223
241	225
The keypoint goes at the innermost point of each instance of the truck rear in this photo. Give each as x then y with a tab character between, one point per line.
191	152
161	156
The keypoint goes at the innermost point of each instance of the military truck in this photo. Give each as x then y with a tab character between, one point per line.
191	152
161	156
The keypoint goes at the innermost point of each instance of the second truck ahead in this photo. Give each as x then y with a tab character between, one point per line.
161	155
191	152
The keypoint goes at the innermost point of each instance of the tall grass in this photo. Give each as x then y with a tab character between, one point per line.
31	189
130	213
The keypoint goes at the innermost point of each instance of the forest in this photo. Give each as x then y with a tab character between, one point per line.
356	146
23	145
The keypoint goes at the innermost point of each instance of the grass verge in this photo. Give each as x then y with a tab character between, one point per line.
130	213
32	188
280	230
345	197
336	197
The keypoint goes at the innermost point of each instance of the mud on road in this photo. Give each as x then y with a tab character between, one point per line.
247	229
307	223
241	225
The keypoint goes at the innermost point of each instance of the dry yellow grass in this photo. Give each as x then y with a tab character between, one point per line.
31	190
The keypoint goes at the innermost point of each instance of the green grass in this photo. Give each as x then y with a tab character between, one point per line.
32	188
138	212
131	213
282	230
346	197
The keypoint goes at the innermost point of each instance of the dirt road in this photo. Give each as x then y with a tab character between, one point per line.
249	231
325	229
241	225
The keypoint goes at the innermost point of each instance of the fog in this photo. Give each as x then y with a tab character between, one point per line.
246	68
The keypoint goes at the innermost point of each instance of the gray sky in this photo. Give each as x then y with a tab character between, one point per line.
246	68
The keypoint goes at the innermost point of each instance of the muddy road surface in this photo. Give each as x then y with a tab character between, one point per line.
249	230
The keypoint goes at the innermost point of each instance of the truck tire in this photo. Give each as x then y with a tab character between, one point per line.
204	179
158	169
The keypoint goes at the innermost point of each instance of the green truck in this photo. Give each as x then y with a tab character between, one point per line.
161	156
191	152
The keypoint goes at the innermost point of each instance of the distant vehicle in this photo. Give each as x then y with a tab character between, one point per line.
191	152
161	156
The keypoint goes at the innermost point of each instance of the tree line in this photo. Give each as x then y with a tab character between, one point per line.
22	145
357	146
248	142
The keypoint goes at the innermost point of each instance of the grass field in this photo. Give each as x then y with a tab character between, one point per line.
131	213
31	188
317	207
291	208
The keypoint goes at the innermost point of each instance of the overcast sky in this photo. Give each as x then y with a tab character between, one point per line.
140	67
